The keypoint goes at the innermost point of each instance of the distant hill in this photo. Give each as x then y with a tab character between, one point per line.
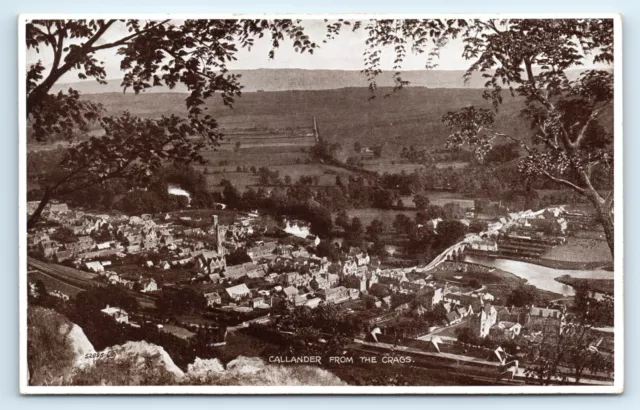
297	79
283	79
411	116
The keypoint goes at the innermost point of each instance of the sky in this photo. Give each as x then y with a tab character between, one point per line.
345	52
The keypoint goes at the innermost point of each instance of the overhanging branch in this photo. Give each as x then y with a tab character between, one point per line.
564	182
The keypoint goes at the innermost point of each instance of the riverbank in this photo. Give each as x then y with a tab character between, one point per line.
604	286
541	277
496	281
549	263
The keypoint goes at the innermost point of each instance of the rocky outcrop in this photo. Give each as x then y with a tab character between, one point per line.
202	369
55	347
141	354
143	363
253	371
79	343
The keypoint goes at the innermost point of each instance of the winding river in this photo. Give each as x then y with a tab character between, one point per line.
539	276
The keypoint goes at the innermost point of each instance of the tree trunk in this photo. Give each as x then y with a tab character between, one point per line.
604	216
35	217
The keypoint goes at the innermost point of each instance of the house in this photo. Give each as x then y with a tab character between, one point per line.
354	294
362	259
410	287
135	220
453	317
349	268
134	248
284	250
148	285
213	299
48	247
300	253
94	266
259	303
541	312
487	297
320	281
117	314
58	208
209	261
354	282
511	314
313	302
542	319
294	279
86	242
334	295
272	277
249	269
238	292
266	250
508	329
61	255
300	300
458	298
104	245
258	271
484	244
290	292
131	240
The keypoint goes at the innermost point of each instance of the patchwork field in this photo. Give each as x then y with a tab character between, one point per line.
412	116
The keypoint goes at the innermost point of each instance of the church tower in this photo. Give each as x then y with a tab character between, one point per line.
219	239
219	233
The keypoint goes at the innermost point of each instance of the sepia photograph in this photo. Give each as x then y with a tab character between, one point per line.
320	204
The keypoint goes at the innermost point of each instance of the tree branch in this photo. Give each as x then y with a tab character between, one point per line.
58	48
594	113
564	182
124	40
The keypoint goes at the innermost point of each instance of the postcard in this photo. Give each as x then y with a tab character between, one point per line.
321	204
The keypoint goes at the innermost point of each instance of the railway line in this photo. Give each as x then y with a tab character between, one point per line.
80	280
481	371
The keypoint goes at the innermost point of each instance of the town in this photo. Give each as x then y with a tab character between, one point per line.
246	274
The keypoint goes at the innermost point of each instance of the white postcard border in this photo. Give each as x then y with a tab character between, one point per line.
618	384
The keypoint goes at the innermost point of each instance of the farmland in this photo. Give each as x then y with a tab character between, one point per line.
275	129
411	116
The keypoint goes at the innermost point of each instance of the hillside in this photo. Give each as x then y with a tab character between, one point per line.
411	116
285	79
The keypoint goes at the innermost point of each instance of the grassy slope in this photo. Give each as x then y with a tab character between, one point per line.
410	116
